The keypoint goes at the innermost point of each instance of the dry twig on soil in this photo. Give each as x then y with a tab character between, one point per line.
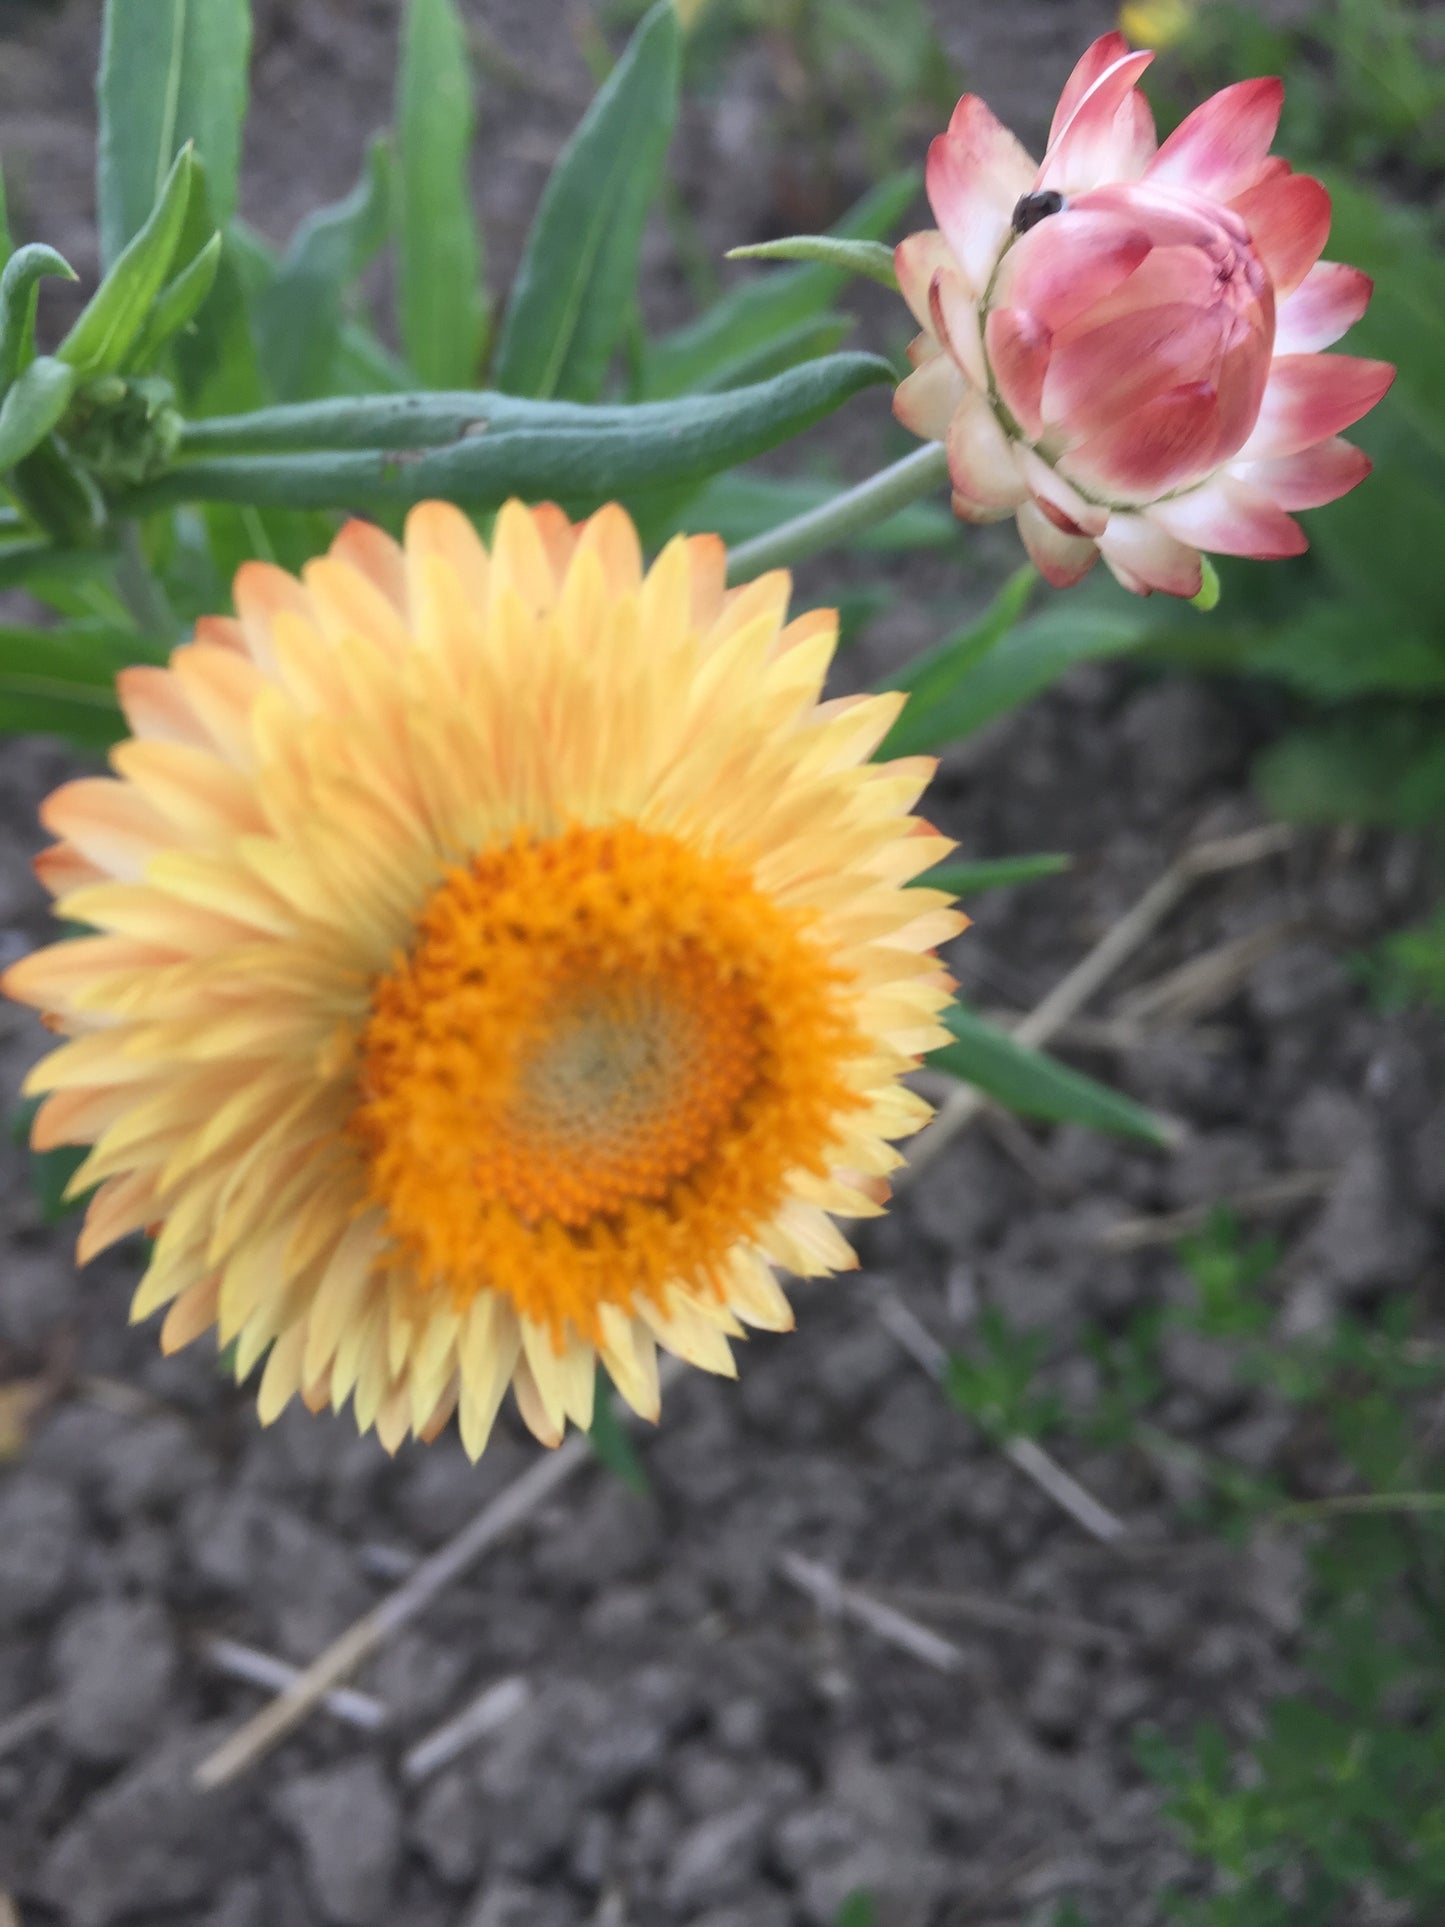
24	1725
1258	1201
834	1595
510	1508
275	1675
487	1713
1027	1454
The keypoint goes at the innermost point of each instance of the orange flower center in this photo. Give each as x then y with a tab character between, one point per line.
595	1073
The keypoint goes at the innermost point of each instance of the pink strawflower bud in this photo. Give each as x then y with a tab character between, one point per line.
1121	347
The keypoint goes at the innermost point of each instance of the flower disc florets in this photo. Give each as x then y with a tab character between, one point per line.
1119	346
500	963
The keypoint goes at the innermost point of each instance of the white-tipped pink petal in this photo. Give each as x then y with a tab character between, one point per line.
1329	300
1288	217
1099	142
1140	552
978	513
981	460
1068	263
1096	60
975	175
953	315
1230	517
1310	397
1060	500
1221	147
925	400
1060	559
916	259
1311	478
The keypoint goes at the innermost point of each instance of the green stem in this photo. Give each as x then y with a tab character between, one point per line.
922	473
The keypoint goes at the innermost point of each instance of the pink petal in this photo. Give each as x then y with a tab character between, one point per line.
1312	477
1060	500
1018	352
1141	553
1099	375
1166	444
954	317
981	457
1220	148
1100	139
1068	263
1330	299
1229	517
1060	559
1244	372
976	173
1310	397
1289	222
925	400
1094	63
916	260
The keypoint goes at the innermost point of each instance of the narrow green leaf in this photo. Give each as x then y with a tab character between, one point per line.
61	682
71	581
6	242
932	681
50	1171
363	365
869	258
439	281
19	289
171	71
754	314
577	282
611	1443
990	677
33	404
177	305
113	316
299	316
479	449
1037	1085
996	873
824	336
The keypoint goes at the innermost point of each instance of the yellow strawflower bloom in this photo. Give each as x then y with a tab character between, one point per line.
1155	23
501	962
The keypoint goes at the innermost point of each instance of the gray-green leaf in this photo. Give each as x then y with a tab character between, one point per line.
869	258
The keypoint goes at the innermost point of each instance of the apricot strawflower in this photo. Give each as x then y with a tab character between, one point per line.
499	962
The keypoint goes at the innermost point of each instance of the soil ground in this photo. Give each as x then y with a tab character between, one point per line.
696	1741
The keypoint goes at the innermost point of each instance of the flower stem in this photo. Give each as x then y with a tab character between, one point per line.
848	514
